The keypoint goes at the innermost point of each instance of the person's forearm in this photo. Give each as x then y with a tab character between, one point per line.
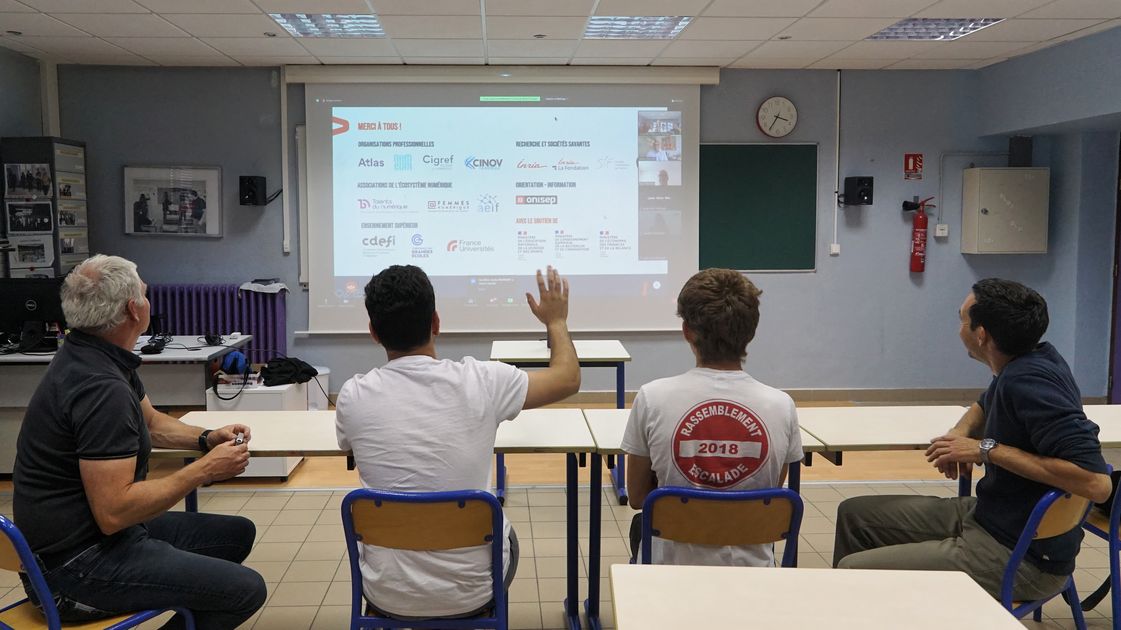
1052	471
144	500
562	353
972	423
167	432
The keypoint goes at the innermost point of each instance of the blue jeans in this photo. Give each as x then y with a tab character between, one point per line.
179	559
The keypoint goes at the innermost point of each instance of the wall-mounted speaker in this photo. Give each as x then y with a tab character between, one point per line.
858	191
251	190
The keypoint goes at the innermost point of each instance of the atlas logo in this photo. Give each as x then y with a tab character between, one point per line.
379	241
340	125
453	246
483	164
371	163
417	240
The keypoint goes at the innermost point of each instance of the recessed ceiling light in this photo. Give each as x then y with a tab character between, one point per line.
540	36
784	37
270	34
505	74
329	25
14	32
635	27
934	29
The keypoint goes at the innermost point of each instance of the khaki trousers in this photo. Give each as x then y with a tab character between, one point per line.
931	534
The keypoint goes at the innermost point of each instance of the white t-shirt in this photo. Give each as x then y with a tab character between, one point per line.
715	430
420	424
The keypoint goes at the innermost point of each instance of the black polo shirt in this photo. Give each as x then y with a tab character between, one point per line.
86	407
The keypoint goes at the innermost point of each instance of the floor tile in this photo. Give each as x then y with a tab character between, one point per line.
286	618
270	570
261	518
331	618
297	517
326	533
299	594
283	551
525	616
267	501
556	567
321	551
523	590
338	594
286	533
311	571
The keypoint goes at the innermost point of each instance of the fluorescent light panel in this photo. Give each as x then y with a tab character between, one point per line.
635	27
934	29
329	25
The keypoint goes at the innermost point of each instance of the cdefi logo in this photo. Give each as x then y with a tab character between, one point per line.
379	241
483	164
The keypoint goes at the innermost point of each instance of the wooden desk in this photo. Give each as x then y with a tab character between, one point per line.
607	427
312	433
590	353
1108	418
656	597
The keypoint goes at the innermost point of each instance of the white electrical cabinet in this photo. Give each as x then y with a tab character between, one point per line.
1004	210
290	397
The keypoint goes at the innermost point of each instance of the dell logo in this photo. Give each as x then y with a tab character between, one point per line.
31	305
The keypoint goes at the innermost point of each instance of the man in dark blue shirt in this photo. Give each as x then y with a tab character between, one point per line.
1029	431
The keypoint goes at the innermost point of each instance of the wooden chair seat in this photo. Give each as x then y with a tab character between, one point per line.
27	616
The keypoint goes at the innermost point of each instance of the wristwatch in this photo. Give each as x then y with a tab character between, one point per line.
203	446
987	445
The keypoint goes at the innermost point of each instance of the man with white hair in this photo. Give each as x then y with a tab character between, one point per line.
102	531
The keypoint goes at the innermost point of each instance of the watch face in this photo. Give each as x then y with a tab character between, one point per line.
777	116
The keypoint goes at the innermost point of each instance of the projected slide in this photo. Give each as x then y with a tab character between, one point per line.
481	190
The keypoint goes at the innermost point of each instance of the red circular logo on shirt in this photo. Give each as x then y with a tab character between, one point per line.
719	443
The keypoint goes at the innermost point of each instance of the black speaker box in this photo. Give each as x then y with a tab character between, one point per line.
251	190
1019	151
858	191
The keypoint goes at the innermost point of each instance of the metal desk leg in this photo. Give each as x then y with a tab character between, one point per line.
965	484
191	501
619	473
595	508
794	482
500	472
572	503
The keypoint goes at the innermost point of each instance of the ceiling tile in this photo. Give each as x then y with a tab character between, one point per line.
988	62
961	49
525	27
117	25
379	61
694	61
761	8
85	6
708	48
650	7
528	61
756	29
426	7
217	25
620	48
433	27
870	8
1029	30
539	7
885	49
531	47
1097	28
346	7
11	6
188	60
611	61
111	60
277	60
980	8
444	61
348	47
796	50
439	47
836	29
256	46
68	46
1077	9
37	25
932	64
165	46
201	6
772	63
19	44
835	63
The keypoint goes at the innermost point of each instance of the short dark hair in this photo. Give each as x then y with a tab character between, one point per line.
1013	314
721	307
400	302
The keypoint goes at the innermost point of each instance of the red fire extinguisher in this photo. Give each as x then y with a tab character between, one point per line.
918	237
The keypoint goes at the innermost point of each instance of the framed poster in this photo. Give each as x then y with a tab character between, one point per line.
29	217
173	200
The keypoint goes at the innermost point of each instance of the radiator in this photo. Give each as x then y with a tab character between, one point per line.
198	309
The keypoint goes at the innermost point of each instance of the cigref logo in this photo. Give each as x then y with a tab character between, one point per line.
439	162
453	246
340	125
483	164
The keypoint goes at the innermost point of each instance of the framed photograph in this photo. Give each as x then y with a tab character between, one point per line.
173	201
27	181
29	217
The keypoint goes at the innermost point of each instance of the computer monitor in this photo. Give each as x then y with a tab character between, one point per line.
27	307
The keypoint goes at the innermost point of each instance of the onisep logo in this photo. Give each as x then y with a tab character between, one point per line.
417	240
483	164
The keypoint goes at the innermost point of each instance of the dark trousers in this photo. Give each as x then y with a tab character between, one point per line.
179	559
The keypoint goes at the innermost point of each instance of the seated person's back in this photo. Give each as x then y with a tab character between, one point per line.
713	427
421	424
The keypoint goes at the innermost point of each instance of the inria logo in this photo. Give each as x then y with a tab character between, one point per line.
489	164
418	240
453	245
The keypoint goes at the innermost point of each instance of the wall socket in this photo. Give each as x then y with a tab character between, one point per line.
834	249
942	230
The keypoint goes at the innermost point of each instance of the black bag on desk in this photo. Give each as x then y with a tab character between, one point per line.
284	370
1093	599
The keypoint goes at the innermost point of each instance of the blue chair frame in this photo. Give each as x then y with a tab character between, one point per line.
30	567
1021	549
765	496
361	621
1111	534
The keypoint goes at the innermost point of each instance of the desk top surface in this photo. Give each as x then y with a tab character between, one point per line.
193	352
605	351
607	426
1108	417
878	428
312	433
653	597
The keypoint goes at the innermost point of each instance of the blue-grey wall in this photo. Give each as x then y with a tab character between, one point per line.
861	320
19	95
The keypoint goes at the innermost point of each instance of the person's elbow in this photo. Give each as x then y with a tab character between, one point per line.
572	383
1101	486
108	522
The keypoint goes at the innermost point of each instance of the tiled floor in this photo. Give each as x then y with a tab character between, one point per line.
301	556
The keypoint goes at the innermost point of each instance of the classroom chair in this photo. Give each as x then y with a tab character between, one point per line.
15	555
1109	528
1056	513
714	517
428	521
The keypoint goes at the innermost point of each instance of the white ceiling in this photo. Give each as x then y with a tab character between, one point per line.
827	34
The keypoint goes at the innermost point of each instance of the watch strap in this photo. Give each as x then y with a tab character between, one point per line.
203	446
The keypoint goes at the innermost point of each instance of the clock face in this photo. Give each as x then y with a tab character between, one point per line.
777	116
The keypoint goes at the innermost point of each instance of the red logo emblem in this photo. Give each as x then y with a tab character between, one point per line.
719	443
341	125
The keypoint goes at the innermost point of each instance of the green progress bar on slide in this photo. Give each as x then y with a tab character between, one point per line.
510	99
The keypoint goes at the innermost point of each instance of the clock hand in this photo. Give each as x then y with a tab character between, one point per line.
773	123
781	118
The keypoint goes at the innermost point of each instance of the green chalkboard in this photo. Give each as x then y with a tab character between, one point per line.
758	206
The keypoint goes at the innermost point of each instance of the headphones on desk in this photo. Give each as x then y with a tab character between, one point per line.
235	363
